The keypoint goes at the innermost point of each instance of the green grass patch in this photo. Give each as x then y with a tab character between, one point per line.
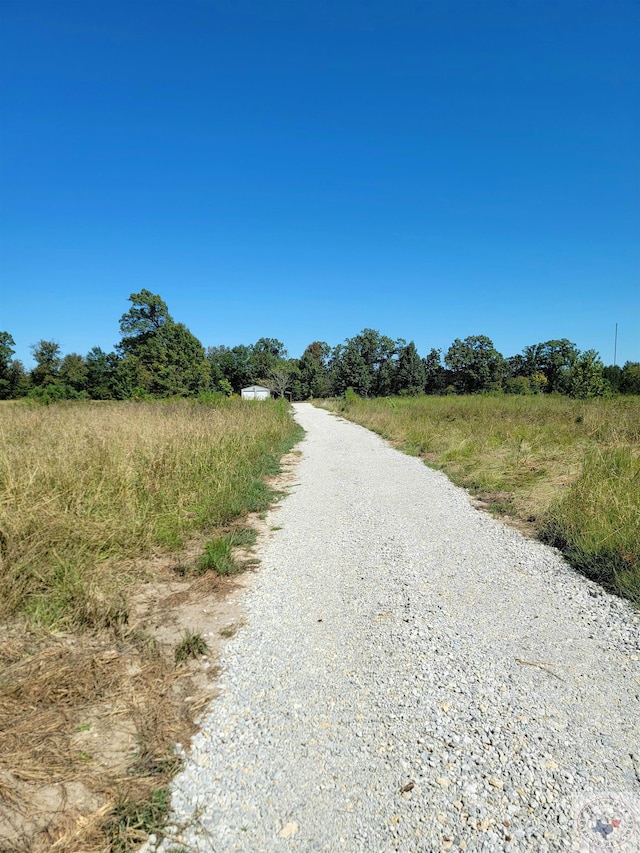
192	645
218	552
596	522
218	557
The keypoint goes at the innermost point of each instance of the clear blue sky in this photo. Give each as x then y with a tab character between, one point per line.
303	170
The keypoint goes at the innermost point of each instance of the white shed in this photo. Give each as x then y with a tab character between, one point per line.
255	392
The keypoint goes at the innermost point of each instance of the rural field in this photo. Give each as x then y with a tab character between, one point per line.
122	522
566	470
109	512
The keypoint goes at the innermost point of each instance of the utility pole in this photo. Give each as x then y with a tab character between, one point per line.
615	346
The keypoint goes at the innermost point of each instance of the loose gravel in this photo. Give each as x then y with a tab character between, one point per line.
413	676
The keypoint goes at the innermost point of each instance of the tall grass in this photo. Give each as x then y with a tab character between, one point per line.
84	488
571	468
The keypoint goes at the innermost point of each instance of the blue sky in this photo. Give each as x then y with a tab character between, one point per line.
303	170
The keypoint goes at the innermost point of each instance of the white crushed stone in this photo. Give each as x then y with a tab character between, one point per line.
413	676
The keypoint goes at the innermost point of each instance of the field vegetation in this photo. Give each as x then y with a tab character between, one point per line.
567	469
109	510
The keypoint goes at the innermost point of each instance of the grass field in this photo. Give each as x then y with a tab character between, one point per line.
86	487
118	524
570	469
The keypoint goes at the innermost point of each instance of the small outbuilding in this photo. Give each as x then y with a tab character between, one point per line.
255	392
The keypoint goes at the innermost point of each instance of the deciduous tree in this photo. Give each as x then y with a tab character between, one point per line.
48	360
313	371
7	350
586	379
475	364
630	379
435	374
410	375
266	355
351	370
74	372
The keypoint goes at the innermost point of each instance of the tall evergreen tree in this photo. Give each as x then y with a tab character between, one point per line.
377	352
148	314
159	356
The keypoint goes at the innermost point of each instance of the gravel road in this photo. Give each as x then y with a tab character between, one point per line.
413	676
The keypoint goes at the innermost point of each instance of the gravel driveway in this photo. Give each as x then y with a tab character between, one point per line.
413	676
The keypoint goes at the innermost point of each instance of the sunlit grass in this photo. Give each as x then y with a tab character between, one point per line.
569	467
89	487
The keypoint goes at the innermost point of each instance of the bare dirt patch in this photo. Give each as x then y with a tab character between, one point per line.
91	724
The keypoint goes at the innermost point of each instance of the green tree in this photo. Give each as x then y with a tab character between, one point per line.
266	355
102	374
216	358
553	359
435	374
48	360
630	378
410	376
350	370
475	364
178	362
240	368
313	371
130	378
19	380
147	315
586	379
74	372
378	352
159	356
613	375
7	350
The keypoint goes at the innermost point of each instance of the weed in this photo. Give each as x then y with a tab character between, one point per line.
132	820
218	557
192	645
243	537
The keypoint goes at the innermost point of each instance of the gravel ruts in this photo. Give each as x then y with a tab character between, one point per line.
413	676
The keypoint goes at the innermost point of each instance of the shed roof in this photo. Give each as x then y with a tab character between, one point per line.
255	388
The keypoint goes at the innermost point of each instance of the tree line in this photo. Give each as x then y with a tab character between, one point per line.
158	357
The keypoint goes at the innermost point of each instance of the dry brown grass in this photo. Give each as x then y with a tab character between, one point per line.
83	721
